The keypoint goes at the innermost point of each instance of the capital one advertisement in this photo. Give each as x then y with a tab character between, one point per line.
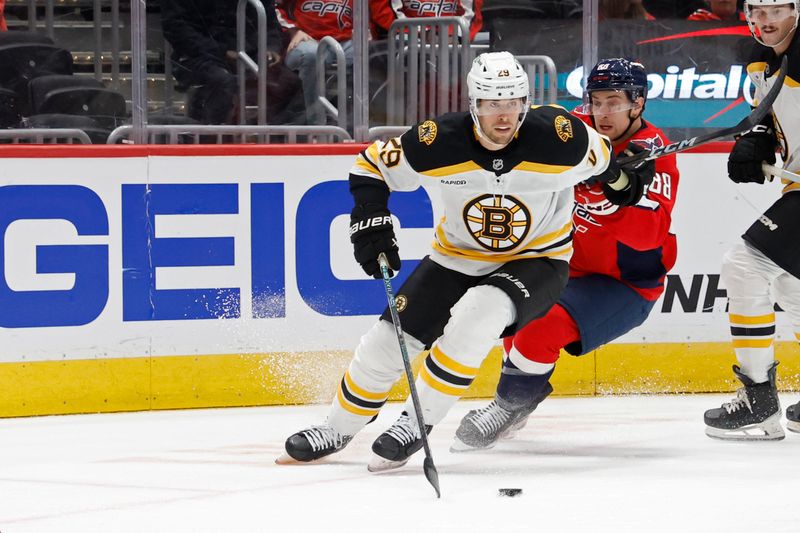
697	74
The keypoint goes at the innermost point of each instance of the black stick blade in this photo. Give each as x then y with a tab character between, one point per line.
432	475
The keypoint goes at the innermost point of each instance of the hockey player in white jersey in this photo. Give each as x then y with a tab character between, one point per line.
498	260
767	259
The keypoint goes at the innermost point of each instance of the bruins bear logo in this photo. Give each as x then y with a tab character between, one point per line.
427	132
498	224
563	128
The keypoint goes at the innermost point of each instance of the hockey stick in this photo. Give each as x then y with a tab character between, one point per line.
427	466
755	117
771	170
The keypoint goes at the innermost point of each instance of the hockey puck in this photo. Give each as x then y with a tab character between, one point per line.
509	492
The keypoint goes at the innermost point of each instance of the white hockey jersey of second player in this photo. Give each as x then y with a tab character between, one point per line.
763	70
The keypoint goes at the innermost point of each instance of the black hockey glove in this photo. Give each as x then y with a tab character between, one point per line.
749	152
372	233
624	185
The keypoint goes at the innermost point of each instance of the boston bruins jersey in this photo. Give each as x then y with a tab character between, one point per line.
499	206
763	70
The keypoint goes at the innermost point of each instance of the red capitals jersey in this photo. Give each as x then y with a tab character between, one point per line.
468	10
318	18
705	14
632	244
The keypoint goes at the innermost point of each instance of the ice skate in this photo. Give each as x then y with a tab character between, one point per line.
481	429
312	444
793	418
395	446
755	413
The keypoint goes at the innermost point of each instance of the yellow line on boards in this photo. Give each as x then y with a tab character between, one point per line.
178	382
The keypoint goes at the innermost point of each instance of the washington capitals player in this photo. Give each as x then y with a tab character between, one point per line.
499	257
621	257
767	260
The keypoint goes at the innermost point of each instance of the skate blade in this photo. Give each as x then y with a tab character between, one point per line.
793	426
287	460
515	427
460	446
769	429
379	464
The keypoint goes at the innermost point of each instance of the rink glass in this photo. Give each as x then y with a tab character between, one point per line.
696	84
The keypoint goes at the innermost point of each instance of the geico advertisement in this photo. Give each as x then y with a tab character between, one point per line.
113	257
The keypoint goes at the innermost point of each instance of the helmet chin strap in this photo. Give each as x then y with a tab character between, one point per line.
631	122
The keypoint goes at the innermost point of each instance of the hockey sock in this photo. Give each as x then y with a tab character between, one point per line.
366	384
517	389
476	322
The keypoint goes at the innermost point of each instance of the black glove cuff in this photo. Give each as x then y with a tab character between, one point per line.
367	190
624	197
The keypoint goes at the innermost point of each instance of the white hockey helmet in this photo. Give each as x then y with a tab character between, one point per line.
749	5
497	76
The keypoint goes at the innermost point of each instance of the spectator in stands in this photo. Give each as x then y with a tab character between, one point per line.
673	9
468	10
203	37
3	26
623	9
719	10
305	22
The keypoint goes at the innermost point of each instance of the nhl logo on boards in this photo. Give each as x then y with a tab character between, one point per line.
563	128
497	164
427	132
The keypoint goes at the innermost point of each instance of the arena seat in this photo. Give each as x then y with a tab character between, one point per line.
22	62
9	109
72	95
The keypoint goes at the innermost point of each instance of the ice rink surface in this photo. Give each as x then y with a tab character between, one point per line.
631	463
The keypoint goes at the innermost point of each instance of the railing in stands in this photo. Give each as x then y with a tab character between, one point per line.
425	56
245	62
45	135
339	112
97	22
386	132
192	134
543	78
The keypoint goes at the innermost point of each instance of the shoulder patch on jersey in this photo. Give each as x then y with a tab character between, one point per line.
563	128
427	132
649	143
